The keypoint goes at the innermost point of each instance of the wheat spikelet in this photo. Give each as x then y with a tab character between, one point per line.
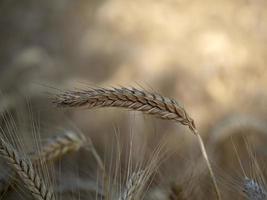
56	147
132	99
253	190
133	185
26	172
59	146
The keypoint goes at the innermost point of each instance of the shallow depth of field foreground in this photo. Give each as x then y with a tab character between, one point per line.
133	100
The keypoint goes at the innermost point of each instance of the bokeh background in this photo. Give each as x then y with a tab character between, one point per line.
210	55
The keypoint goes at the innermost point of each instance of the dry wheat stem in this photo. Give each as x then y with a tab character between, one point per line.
205	155
138	100
100	164
26	172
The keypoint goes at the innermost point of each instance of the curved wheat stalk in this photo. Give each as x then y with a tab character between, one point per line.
138	100
26	172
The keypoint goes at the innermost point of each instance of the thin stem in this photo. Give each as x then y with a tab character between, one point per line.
205	155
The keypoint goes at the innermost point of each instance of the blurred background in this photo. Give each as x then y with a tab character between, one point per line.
210	55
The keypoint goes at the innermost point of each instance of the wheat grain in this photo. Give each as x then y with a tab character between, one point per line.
26	172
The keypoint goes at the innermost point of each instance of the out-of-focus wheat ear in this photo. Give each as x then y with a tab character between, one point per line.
134	183
253	190
138	100
25	171
60	145
234	124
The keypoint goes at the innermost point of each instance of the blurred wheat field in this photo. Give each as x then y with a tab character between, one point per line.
210	56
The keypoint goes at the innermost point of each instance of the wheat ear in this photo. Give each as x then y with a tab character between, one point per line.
132	99
253	190
133	185
59	146
138	100
55	148
26	172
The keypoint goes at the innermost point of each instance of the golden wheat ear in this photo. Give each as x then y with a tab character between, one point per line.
132	99
137	100
25	171
59	146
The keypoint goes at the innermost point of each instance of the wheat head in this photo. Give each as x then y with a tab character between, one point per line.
133	185
60	145
26	172
133	99
138	100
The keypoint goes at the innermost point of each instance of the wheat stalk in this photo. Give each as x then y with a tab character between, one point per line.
26	172
138	100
